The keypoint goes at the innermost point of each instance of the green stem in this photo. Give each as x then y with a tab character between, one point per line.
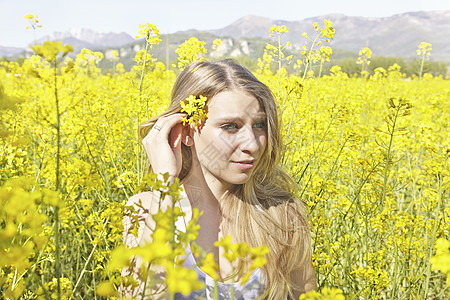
84	268
320	72
388	156
320	142
358	192
58	148
216	290
38	279
421	66
279	67
396	267
308	58
318	85
141	83
58	131
335	162
433	238
146	281
57	254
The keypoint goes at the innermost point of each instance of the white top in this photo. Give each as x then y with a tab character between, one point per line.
252	289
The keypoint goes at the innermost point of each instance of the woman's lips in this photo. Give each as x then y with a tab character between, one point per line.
244	164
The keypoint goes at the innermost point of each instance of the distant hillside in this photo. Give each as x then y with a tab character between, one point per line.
10	51
398	35
81	38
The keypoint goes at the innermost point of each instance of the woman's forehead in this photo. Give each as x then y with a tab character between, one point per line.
235	102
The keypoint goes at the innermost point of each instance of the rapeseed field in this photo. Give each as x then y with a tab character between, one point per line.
369	152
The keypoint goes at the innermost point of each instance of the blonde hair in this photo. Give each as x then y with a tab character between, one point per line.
264	210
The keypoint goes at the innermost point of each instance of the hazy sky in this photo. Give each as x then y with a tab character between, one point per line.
173	15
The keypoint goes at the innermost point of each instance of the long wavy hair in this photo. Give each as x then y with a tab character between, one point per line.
265	209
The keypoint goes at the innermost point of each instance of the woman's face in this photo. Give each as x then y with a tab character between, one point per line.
233	138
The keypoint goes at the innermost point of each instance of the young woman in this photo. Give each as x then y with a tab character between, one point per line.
230	170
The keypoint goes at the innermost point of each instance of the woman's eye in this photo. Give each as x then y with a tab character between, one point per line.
261	124
230	126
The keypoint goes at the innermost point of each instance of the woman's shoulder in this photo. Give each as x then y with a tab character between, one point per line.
143	205
143	198
149	202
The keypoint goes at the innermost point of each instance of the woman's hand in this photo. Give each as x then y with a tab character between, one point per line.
164	155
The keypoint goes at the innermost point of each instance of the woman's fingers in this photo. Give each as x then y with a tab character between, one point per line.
163	145
175	144
161	129
165	124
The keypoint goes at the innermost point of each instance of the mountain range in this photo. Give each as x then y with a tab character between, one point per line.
397	35
87	38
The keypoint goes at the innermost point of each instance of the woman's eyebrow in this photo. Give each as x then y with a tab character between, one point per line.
257	116
228	119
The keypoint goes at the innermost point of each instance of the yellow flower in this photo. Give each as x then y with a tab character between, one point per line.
441	261
236	251
33	20
65	288
210	267
316	26
50	50
217	43
328	32
195	109
120	258
278	29
325	294
106	289
424	49
190	51
150	33
364	56
325	53
182	280
258	262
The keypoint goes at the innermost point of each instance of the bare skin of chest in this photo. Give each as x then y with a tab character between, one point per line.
211	230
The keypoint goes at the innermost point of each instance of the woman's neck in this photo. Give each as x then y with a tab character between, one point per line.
202	187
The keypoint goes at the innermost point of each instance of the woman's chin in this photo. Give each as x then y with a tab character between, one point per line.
240	179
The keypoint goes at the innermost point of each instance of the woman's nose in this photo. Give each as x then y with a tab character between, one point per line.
248	140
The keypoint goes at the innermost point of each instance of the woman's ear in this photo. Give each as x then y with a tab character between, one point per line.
187	136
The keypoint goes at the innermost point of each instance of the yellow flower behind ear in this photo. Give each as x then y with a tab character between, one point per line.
195	109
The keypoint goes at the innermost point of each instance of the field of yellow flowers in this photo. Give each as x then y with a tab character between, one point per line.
369	152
